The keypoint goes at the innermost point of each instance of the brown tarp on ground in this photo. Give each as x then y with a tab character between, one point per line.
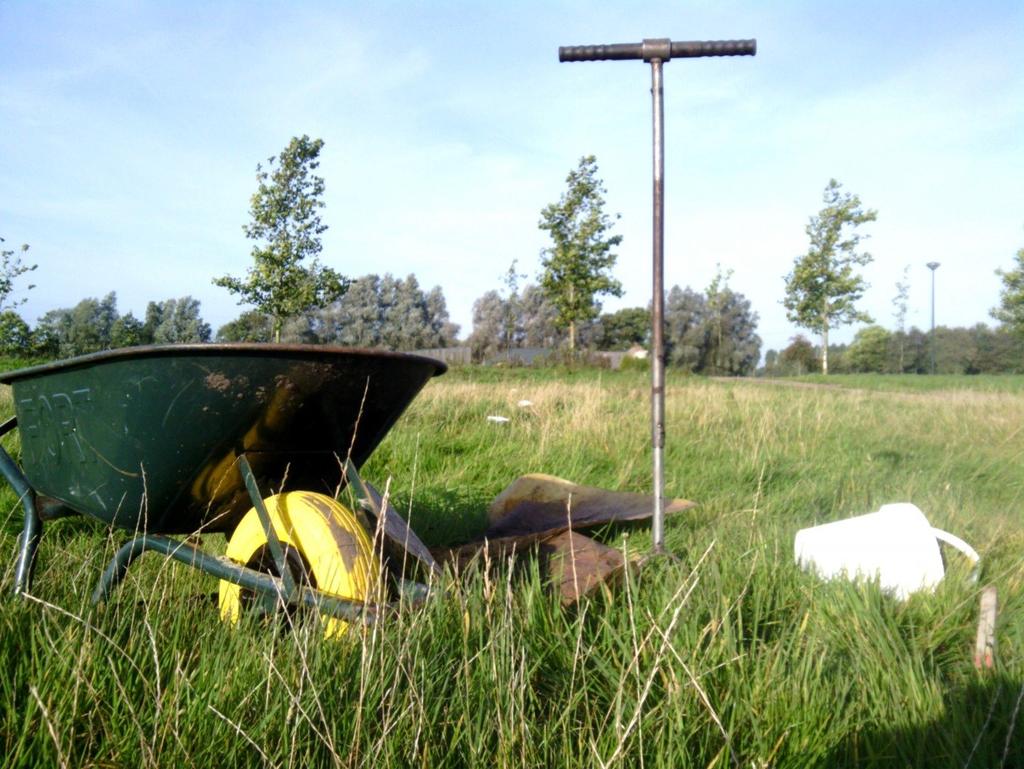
537	503
547	511
576	565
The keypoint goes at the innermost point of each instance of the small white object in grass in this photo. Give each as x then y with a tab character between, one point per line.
524	404
895	545
498	419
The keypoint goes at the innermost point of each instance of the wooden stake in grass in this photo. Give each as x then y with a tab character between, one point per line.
985	644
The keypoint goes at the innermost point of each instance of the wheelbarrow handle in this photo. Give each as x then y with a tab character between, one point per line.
662	49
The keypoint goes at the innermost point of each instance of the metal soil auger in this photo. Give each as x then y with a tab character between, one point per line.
657	52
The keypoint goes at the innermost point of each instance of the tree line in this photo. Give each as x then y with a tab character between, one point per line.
380	312
822	291
94	324
979	349
712	332
292	297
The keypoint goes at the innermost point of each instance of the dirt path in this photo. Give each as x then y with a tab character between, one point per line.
909	395
788	383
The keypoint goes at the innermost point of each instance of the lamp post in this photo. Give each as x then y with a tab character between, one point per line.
933	266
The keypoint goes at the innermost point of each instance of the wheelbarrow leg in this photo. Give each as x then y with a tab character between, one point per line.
276	550
222	568
130	551
28	542
118	567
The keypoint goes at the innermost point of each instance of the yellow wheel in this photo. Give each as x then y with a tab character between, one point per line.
325	547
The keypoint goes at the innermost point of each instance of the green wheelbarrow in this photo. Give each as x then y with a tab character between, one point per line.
191	439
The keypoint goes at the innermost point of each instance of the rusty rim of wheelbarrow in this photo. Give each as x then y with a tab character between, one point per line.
258	348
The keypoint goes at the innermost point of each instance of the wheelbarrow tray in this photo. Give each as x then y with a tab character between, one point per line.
148	438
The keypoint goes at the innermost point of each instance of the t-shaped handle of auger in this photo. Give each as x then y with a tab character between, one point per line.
656	52
660	48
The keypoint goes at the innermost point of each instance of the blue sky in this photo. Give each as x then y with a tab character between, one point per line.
131	133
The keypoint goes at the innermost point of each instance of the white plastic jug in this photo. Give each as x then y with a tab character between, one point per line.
896	545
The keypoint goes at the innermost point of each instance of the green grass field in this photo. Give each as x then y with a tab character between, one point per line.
1011	383
726	656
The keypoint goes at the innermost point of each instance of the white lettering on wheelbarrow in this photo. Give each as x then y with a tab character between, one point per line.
49	426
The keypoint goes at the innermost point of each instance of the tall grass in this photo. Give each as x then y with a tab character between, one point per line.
725	655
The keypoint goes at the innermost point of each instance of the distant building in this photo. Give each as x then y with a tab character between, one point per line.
519	356
615	357
453	356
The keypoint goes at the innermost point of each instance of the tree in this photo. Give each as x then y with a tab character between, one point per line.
250	326
531	322
511	280
355	319
538	320
685	311
577	267
998	350
50	330
286	223
955	351
711	333
732	346
822	290
180	322
1010	311
389	333
12	268
916	351
489	329
900	314
86	327
624	328
838	360
799	357
173	321
153	318
384	312
716	295
441	331
128	331
869	351
301	329
405	325
15	335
